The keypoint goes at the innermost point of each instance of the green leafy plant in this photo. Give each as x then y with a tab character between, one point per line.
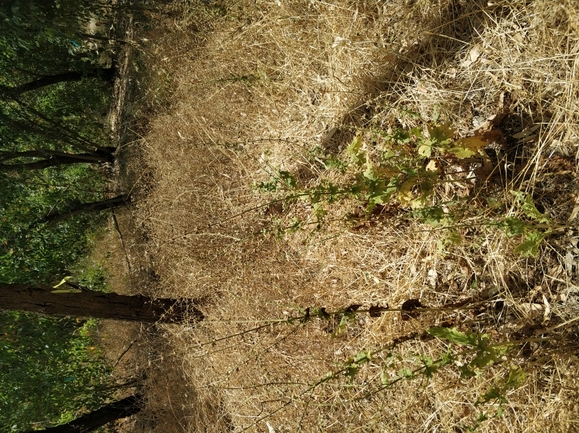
471	352
399	166
51	368
485	354
404	168
528	223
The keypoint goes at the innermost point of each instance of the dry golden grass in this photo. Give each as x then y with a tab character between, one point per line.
248	88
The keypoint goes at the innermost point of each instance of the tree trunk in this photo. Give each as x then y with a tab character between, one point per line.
47	153
95	206
99	305
91	421
53	159
57	132
106	74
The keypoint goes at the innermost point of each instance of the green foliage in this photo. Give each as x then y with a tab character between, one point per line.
485	353
472	353
455	336
404	168
400	167
26	23
31	252
530	224
482	354
93	278
63	117
49	369
354	364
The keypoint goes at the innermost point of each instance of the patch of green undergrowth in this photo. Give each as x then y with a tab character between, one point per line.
427	174
51	369
527	223
470	354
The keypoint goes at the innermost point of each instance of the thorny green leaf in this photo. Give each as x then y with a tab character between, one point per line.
453	335
488	355
530	247
516	378
357	155
288	178
441	134
362	357
494	393
406	373
529	208
513	226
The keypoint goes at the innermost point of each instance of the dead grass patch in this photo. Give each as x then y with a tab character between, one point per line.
272	85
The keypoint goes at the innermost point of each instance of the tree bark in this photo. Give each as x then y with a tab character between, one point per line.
47	153
52	159
91	421
106	74
95	206
99	305
57	133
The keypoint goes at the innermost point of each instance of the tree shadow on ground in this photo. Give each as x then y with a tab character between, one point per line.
456	26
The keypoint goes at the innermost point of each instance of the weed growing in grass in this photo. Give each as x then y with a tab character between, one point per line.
477	353
470	353
401	166
435	177
532	225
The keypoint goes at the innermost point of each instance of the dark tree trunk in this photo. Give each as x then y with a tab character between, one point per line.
52	159
106	74
95	206
46	153
91	421
57	132
99	305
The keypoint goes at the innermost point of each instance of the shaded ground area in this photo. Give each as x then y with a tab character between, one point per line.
231	96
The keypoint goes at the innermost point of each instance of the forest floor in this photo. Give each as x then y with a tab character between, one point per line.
306	170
